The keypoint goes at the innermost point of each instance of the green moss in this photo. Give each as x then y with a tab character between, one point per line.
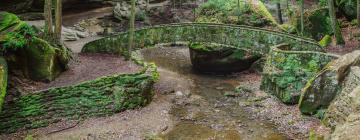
100	97
7	20
325	41
3	80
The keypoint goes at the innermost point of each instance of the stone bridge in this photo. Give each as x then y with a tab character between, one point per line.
237	36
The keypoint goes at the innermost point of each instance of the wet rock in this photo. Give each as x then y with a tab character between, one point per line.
347	101
323	88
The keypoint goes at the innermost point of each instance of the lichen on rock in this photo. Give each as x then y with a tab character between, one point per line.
327	84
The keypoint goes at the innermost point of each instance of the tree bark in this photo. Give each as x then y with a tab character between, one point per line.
358	13
238	14
48	19
302	16
279	14
334	23
131	29
58	20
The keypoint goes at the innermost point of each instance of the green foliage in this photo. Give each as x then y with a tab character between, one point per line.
325	41
17	34
7	20
229	12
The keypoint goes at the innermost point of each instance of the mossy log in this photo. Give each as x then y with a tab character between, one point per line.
101	97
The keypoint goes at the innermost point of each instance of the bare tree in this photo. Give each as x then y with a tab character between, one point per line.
278	10
132	29
334	23
58	20
302	16
358	13
48	19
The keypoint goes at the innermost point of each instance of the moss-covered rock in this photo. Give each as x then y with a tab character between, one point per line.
317	23
327	84
288	69
3	80
101	97
345	102
253	13
38	59
220	59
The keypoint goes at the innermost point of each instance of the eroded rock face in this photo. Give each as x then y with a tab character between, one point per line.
219	59
347	101
328	84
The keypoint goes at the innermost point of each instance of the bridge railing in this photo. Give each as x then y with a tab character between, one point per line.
252	38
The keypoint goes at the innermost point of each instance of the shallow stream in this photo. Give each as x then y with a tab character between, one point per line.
201	110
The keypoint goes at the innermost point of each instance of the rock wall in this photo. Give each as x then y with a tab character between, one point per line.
346	102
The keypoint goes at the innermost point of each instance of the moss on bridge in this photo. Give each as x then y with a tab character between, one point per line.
245	37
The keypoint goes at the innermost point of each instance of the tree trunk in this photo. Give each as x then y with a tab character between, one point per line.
279	14
58	21
131	29
238	14
302	16
358	13
334	23
48	19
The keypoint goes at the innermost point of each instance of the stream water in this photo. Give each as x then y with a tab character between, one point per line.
203	112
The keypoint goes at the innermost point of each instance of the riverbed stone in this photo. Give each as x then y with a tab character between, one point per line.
322	89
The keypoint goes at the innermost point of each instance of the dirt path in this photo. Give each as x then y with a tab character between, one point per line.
84	67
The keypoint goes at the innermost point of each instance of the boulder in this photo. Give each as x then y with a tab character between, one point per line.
39	61
122	10
349	130
327	84
347	102
212	58
69	34
3	80
317	23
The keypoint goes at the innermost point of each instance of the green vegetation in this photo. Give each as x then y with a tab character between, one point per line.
230	12
14	33
100	97
287	72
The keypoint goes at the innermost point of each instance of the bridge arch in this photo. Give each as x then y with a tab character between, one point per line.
237	36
